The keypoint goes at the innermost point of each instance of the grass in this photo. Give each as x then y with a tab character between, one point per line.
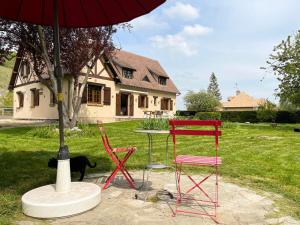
258	156
5	73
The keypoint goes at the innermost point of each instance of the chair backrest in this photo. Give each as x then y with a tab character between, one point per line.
195	132
104	137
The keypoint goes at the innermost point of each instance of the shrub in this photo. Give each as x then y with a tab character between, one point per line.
208	116
51	131
287	117
155	124
266	112
185	113
230	125
44	132
239	116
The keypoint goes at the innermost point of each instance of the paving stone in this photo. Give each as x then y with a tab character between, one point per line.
238	206
24	223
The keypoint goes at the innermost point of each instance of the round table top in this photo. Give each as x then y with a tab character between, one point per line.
153	131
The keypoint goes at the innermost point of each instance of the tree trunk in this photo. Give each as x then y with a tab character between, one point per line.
72	107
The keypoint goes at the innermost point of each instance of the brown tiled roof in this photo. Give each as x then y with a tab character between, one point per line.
141	67
242	100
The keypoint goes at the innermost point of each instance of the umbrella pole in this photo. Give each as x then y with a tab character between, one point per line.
63	178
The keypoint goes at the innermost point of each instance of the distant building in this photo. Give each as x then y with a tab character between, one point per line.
241	102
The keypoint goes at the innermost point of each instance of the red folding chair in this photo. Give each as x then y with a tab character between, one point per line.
189	160
120	162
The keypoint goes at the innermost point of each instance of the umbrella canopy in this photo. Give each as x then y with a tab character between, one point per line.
77	13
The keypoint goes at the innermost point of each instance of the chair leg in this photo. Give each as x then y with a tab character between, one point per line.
217	186
110	178
211	199
122	168
178	196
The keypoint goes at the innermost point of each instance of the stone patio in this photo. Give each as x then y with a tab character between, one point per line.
119	205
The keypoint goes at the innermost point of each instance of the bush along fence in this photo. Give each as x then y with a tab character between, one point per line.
243	116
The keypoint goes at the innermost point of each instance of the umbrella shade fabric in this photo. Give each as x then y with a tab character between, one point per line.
77	13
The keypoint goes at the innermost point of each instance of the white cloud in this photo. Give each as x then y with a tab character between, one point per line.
182	41
176	42
182	11
148	22
196	30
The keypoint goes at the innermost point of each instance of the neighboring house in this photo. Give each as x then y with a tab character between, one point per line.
122	86
241	102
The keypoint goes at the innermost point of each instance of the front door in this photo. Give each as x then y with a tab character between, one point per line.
124	104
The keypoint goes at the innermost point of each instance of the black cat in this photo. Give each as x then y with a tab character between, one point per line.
77	164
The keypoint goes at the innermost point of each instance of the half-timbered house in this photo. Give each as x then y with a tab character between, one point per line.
124	85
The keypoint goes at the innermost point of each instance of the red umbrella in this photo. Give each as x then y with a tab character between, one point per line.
76	13
73	13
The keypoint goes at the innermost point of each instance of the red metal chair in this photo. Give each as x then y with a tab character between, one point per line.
119	162
189	160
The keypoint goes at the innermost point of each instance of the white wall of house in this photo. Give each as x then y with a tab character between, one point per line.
44	110
88	112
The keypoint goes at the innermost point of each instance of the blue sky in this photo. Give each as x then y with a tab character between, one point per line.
233	38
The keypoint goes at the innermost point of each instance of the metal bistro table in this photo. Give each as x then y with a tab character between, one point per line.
150	164
149	133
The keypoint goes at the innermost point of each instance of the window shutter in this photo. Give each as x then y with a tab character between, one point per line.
171	105
140	101
161	104
32	97
118	104
35	97
21	99
131	99
53	100
147	100
84	95
107	94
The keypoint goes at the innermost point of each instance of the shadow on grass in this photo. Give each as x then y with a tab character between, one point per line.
24	170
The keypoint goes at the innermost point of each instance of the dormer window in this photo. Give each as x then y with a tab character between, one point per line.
146	79
25	69
162	80
127	73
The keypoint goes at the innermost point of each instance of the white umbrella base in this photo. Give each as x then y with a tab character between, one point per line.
46	202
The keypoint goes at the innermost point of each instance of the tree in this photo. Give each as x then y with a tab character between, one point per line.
285	105
79	48
213	87
285	63
7	99
266	112
201	101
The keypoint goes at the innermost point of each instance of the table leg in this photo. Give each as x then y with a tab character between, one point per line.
167	150
149	148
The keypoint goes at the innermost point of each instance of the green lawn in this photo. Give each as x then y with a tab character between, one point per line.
5	74
258	156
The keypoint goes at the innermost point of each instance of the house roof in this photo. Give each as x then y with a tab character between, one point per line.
141	66
242	100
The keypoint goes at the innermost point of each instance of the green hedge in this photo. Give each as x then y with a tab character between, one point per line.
239	116
208	116
251	116
287	117
244	116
